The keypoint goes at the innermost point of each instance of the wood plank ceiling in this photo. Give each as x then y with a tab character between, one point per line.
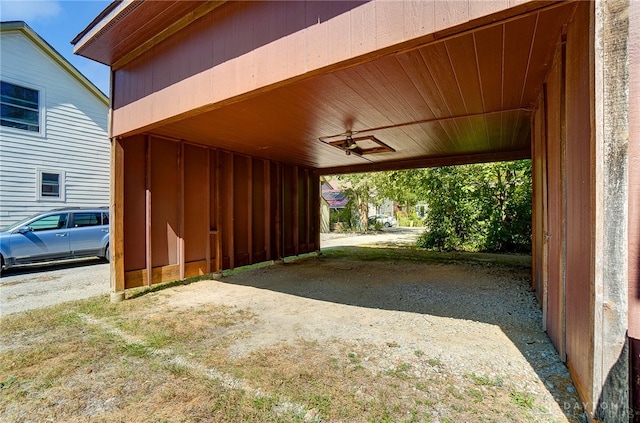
469	94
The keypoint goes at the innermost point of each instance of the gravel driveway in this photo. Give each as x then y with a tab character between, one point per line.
37	286
468	333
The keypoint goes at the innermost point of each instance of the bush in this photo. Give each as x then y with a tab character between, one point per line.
479	208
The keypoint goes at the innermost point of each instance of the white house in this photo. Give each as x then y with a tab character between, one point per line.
54	145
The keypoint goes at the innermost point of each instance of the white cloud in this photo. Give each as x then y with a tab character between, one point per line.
28	10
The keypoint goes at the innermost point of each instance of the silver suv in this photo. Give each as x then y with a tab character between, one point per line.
59	234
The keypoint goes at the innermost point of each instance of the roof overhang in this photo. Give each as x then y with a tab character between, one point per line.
462	94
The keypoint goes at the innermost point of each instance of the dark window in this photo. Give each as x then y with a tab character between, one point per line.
86	219
105	218
50	185
19	107
55	221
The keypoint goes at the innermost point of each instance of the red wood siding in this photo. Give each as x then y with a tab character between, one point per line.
564	180
579	200
539	205
134	200
555	202
210	210
273	92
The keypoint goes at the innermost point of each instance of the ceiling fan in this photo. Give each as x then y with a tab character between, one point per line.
359	146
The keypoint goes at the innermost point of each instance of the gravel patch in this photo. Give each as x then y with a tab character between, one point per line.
470	323
38	286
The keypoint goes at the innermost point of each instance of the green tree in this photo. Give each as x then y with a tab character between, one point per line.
479	207
360	188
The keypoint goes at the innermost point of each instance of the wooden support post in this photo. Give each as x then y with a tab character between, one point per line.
562	350
208	228
219	227
307	205
181	210
279	235
250	210
147	210
116	242
317	211
230	214
267	208
295	220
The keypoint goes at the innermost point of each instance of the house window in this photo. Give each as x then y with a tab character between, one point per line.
50	185
19	107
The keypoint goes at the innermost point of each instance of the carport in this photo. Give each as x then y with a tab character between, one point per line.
225	114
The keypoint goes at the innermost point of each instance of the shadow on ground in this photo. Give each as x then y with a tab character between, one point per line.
484	288
50	267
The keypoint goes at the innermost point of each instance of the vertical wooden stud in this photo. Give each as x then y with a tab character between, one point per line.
116	242
267	207
147	210
316	210
229	226
279	235
250	210
208	228
563	171
307	206
296	205
181	209
219	227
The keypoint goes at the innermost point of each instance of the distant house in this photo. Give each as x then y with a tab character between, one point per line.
54	145
332	199
335	198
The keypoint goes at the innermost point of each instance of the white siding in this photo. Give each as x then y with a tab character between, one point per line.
73	139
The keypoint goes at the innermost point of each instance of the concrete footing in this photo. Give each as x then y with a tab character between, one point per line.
117	297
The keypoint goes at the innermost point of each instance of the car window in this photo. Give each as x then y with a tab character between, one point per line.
80	220
105	218
54	221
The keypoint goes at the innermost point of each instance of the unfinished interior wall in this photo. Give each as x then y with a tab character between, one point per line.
192	210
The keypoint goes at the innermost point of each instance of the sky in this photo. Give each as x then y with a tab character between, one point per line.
58	22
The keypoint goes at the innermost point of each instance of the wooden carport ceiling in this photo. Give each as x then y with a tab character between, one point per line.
469	94
460	97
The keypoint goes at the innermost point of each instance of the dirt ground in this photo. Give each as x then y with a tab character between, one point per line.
470	322
363	333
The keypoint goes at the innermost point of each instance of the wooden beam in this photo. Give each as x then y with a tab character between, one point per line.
279	211
230	214
267	208
307	205
250	210
208	190
316	207
181	210
218	213
116	241
295	221
147	209
429	162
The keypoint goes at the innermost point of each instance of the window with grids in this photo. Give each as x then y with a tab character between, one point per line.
19	107
50	185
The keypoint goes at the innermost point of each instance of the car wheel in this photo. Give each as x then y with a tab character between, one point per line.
107	254
387	225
